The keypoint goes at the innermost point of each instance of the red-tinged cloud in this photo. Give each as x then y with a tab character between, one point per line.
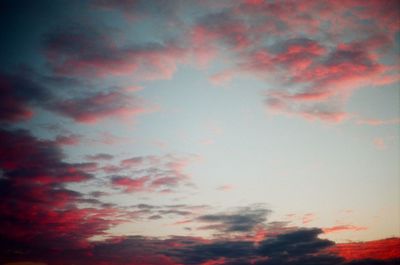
130	184
37	208
85	51
340	228
26	159
314	63
308	218
379	249
99	106
162	173
221	27
296	246
132	162
326	83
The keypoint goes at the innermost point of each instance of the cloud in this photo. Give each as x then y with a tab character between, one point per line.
26	159
77	50
37	207
151	173
314	65
294	247
100	156
130	184
338	228
99	106
378	122
384	249
132	162
26	90
242	220
298	243
301	246
71	139
18	95
222	27
324	82
141	9
308	218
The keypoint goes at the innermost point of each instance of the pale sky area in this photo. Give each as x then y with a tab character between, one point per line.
181	132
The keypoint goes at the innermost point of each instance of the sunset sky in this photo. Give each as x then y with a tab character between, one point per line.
145	132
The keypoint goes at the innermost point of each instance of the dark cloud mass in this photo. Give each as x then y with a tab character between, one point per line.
304	247
242	220
43	222
18	95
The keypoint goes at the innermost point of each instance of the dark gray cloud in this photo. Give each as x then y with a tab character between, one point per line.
241	220
18	94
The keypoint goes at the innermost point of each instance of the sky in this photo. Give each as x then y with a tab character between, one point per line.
177	132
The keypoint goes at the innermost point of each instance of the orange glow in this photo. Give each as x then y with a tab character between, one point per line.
378	249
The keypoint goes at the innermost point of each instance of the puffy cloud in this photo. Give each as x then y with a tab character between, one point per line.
37	208
26	159
315	64
25	90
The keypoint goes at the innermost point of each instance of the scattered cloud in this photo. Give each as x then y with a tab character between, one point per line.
79	50
339	228
241	220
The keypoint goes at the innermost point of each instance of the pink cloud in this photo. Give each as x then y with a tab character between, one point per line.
222	78
316	74
308	218
163	173
130	184
33	182
132	162
379	143
340	228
